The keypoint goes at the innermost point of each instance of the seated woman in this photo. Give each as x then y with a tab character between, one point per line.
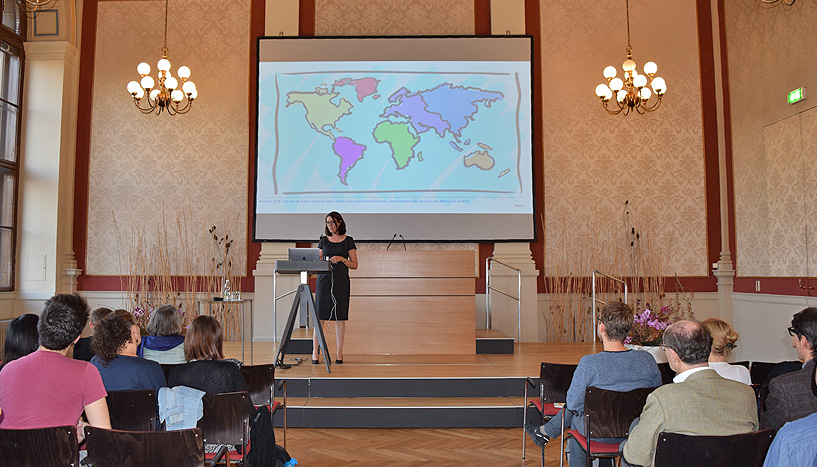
723	342
114	345
22	338
206	369
165	344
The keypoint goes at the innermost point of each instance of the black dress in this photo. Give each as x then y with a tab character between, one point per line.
335	284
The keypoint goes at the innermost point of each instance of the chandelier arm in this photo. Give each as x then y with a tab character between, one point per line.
629	46
654	106
147	110
612	112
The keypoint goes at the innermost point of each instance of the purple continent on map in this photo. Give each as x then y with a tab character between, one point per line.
364	86
445	107
349	152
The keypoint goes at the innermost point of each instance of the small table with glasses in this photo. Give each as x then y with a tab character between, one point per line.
245	306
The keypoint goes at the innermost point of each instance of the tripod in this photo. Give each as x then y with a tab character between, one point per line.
303	295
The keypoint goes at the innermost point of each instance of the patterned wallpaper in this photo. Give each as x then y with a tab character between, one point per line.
393	17
594	162
771	51
144	165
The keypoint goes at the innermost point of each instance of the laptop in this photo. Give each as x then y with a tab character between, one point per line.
304	254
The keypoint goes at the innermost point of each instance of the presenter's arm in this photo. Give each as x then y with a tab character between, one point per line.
350	263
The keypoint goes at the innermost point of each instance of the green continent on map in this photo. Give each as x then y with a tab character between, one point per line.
398	136
321	112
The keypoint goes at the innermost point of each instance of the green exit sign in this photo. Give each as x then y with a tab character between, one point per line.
797	95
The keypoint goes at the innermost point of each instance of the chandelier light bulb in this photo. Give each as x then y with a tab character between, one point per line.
133	87
143	69
658	85
616	84
610	72
193	94
172	83
650	68
628	65
646	94
140	93
177	96
184	73
602	90
163	65
188	87
622	94
147	82
153	94
640	81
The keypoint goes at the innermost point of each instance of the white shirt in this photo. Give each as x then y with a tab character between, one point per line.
737	373
682	376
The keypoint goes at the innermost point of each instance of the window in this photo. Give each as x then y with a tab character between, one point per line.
11	78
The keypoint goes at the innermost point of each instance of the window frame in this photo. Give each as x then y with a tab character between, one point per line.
17	41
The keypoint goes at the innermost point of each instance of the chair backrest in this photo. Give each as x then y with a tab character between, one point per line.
54	446
666	373
226	418
554	380
609	414
744	363
133	410
745	449
168	367
113	448
4	325
759	371
260	382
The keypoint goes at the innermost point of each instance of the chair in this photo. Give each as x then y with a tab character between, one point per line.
759	371
745	449
608	414
666	373
168	367
114	448
133	410
554	380
226	420
260	381
744	363
54	446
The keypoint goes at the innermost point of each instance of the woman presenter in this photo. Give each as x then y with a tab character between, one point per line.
332	294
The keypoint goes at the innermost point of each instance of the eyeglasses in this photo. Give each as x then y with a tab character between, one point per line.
331	222
792	332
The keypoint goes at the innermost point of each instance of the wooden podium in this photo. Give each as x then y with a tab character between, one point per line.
411	302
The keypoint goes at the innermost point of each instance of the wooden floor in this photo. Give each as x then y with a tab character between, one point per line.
415	447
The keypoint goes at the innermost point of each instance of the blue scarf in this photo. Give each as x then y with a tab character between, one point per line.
159	343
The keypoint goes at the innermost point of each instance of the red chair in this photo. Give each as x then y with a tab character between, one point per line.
608	414
226	421
554	380
260	381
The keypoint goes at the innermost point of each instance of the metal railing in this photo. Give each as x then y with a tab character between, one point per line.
595	273
489	288
275	304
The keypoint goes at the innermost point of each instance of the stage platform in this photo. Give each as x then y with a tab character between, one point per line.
411	391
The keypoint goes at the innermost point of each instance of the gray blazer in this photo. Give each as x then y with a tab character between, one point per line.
790	398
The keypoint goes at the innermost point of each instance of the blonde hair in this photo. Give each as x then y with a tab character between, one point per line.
723	336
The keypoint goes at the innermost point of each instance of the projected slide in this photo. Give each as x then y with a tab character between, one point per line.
393	136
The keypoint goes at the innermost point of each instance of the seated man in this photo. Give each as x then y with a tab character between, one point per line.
616	368
46	388
790	395
794	443
700	402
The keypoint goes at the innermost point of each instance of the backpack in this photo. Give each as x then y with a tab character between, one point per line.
263	450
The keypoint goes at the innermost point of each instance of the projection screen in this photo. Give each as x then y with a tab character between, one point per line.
419	138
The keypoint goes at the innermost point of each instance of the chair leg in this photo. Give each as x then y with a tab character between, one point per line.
524	419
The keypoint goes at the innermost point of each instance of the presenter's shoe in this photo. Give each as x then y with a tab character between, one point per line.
539	438
338	361
315	362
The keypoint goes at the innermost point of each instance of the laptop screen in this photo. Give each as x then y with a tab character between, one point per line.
304	254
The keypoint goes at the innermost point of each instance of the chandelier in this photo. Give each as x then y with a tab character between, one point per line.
635	91
28	6
785	2
163	93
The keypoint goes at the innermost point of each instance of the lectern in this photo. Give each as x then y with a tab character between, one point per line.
304	268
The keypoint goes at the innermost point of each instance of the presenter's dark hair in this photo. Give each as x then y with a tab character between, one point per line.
338	220
22	338
62	321
804	323
165	321
204	340
618	320
690	340
111	335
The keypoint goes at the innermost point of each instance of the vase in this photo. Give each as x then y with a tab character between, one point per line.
656	351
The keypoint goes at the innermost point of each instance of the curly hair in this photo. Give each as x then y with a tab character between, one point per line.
111	335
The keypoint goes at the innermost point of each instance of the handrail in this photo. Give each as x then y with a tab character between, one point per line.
597	300
275	303
518	297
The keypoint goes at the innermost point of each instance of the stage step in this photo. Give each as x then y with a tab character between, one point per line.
399	412
334	387
489	341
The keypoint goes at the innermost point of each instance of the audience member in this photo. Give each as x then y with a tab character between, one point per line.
790	395
701	402
723	342
616	368
794	443
82	349
206	369
22	338
115	341
46	388
165	344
